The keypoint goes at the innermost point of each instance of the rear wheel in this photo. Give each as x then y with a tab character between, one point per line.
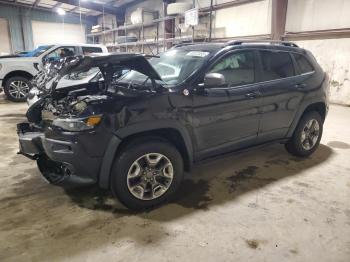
17	88
147	174
307	135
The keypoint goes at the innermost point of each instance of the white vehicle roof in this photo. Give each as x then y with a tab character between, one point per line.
73	44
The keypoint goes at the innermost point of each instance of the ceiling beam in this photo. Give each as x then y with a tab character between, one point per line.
132	3
18	4
57	5
36	3
93	6
74	9
227	5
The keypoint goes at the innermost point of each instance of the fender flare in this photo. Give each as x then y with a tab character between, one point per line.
300	113
119	135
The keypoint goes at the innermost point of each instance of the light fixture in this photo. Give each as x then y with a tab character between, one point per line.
60	11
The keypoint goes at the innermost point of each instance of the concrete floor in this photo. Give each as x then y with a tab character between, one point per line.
262	205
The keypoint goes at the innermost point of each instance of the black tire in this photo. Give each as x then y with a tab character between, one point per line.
124	161
20	81
295	146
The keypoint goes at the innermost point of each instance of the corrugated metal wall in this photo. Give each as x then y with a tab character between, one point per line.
19	15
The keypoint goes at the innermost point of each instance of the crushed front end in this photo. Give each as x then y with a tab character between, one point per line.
67	148
68	129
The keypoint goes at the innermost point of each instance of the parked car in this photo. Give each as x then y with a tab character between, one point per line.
137	134
16	71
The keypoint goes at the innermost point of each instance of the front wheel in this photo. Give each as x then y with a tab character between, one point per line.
307	135
147	174
17	88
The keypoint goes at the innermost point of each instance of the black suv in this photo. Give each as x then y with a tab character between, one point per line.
139	124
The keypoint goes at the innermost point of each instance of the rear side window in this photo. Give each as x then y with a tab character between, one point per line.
303	64
276	65
91	49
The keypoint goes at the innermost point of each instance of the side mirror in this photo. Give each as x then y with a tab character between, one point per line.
214	80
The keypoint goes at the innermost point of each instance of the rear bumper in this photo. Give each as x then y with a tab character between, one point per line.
60	161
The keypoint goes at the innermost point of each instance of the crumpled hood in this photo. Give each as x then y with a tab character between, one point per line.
137	62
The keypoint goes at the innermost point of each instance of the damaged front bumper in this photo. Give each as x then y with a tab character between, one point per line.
61	161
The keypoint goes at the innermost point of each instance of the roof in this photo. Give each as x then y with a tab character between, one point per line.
201	46
77	44
212	47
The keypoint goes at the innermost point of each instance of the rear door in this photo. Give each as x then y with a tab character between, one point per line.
282	93
227	117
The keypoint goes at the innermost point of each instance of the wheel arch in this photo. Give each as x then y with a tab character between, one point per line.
175	134
20	73
319	106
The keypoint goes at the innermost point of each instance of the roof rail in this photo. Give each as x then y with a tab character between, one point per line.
272	42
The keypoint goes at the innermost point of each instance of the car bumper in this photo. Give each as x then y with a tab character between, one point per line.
61	162
1	88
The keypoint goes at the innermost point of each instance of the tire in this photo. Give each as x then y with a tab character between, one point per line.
132	174
17	88
295	146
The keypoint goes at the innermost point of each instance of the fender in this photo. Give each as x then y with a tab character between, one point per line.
306	102
122	133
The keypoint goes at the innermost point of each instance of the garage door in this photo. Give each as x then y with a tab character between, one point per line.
52	33
5	44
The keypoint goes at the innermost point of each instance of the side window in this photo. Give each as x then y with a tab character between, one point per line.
276	65
91	49
237	68
303	64
61	52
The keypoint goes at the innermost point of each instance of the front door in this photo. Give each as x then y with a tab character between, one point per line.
226	117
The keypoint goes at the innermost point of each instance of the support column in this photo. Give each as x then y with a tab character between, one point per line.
169	25
278	19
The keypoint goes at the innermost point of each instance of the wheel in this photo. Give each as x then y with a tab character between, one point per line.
17	88
146	174
307	135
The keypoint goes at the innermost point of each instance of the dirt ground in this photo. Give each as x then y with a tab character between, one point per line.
261	205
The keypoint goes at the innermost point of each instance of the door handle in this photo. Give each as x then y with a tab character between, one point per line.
252	94
300	86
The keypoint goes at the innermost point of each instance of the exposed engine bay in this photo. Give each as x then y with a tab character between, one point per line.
78	86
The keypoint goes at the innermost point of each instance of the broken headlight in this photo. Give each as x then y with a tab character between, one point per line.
77	124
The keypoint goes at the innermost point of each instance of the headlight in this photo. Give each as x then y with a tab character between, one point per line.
77	124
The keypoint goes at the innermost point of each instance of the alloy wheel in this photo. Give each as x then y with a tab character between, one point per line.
150	176
18	89
310	134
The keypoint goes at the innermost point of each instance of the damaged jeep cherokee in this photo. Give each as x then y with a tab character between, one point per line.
137	125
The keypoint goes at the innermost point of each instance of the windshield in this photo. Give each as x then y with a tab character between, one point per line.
37	52
173	66
176	65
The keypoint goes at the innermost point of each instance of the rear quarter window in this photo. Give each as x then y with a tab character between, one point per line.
90	49
303	64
